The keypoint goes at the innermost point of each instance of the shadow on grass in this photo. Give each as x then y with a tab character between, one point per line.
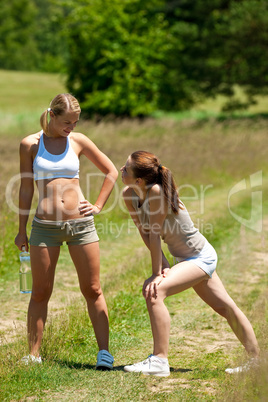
179	370
74	365
83	366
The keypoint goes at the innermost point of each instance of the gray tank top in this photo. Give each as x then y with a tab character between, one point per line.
179	233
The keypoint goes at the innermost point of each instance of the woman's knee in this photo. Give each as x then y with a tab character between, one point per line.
91	291
226	310
40	295
155	301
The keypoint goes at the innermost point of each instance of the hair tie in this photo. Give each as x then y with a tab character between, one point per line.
160	166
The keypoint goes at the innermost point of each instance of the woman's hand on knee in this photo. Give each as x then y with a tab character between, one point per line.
165	272
149	289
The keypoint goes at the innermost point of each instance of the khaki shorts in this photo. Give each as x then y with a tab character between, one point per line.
53	233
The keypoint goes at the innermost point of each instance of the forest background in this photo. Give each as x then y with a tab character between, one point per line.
149	75
134	57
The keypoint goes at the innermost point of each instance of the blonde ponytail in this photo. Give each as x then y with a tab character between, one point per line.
44	121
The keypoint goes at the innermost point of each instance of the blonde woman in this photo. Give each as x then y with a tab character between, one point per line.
154	205
50	158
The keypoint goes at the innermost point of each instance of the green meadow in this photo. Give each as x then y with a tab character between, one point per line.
221	168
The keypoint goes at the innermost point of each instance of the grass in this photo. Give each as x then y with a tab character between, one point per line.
24	96
31	91
208	158
212	108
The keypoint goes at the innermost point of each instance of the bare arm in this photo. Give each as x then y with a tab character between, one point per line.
105	165
26	192
151	240
127	195
158	213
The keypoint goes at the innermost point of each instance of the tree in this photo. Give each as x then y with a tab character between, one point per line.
116	56
133	57
18	49
48	35
225	43
31	35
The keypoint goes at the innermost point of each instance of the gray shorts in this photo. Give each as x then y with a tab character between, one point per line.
46	233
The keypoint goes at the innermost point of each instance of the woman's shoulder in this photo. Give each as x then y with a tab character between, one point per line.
155	190
127	192
82	143
156	199
80	138
30	140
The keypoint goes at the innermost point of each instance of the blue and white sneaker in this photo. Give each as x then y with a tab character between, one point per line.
150	366
31	359
253	363
104	360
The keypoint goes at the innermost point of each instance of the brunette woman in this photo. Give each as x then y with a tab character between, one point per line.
154	205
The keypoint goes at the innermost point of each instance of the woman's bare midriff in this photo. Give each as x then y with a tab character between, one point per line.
59	199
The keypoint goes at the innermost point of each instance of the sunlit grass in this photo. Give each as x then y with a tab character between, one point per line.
212	108
203	154
27	91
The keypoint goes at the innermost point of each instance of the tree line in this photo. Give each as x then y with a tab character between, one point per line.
132	57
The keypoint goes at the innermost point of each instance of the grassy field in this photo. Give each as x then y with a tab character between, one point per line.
208	157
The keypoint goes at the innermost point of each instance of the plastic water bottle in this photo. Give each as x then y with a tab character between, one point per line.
25	272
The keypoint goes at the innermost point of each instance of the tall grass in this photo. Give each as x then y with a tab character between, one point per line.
204	154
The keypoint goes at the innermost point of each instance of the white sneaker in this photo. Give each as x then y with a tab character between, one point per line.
253	363
31	359
151	366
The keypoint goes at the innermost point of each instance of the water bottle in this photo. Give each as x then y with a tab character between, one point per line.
25	272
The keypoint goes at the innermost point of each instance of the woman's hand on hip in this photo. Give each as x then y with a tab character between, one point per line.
86	208
149	289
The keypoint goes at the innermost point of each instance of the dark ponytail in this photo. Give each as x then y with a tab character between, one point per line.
147	166
169	187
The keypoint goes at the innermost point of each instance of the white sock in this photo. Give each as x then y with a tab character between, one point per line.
162	359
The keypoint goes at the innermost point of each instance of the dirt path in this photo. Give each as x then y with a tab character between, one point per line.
14	307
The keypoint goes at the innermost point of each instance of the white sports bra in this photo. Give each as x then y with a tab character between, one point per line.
50	166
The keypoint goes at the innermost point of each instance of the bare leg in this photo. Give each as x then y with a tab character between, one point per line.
215	295
43	263
180	277
87	263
